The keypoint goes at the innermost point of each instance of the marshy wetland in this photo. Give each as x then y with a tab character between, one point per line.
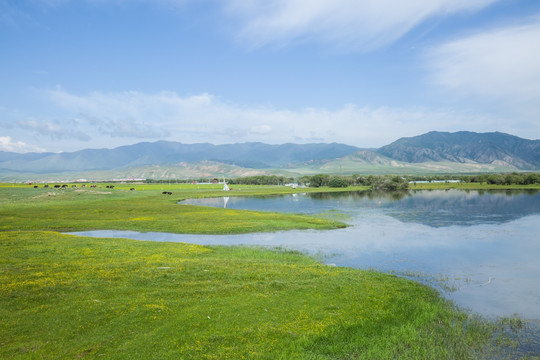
471	239
66	296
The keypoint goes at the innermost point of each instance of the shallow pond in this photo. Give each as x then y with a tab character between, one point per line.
479	249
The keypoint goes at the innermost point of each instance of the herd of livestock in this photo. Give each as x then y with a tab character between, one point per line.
92	186
75	186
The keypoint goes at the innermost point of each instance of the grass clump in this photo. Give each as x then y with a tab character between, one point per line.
76	297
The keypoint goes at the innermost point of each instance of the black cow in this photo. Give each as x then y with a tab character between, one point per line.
167	193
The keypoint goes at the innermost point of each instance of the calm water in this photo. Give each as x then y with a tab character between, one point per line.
480	249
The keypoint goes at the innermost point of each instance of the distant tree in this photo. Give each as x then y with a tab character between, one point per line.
338	182
261	180
319	180
494	179
530	179
390	183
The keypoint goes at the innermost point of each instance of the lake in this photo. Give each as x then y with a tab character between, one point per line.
479	248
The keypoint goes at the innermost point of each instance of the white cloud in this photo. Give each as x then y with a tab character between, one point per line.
357	24
7	144
261	129
206	118
54	131
502	64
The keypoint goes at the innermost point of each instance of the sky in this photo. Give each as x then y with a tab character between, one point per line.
80	74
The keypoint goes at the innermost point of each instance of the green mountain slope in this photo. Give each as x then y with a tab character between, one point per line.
466	147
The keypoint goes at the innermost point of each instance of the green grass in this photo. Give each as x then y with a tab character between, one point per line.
67	297
145	209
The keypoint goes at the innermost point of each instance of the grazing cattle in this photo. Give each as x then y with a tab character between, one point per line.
167	193
64	186
93	186
35	186
45	186
57	186
131	189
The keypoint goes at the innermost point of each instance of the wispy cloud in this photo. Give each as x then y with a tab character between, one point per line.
352	24
502	63
206	118
8	144
124	115
58	131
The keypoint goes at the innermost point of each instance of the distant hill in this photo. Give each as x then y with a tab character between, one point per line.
434	152
366	162
466	147
248	155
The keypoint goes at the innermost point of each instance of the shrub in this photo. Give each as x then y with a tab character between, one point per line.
338	183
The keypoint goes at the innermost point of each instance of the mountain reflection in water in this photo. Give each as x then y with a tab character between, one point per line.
435	208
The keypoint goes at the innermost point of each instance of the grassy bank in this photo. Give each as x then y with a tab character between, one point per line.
144	209
65	297
76	297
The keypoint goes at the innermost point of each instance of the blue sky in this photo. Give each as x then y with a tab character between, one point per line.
78	74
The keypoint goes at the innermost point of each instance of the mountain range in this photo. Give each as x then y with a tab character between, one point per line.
463	147
452	152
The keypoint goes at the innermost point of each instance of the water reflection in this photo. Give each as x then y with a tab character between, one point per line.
448	208
436	208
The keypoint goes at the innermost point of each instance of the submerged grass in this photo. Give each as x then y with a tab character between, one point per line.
77	297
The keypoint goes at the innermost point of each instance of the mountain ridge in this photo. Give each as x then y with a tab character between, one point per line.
498	150
465	146
253	155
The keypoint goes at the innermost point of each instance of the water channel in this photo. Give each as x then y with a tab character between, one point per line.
479	248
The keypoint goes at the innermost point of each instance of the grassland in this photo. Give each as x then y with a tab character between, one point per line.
68	297
144	209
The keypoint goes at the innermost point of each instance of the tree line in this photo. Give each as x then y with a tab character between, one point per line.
377	182
513	178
